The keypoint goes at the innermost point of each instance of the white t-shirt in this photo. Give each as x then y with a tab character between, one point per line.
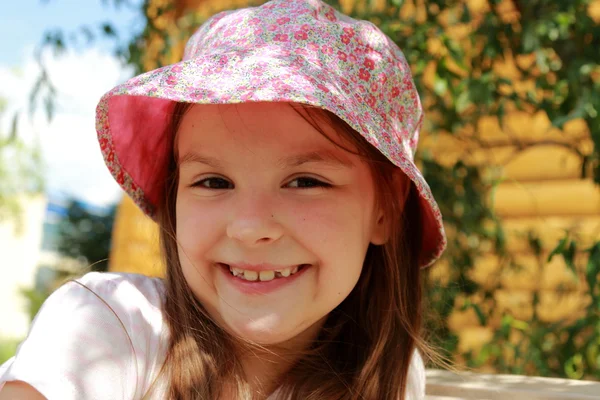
78	349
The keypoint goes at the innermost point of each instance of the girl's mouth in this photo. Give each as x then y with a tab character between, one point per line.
263	276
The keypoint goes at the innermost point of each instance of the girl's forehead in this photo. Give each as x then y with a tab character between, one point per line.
274	125
274	114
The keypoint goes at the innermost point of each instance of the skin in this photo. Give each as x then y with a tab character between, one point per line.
17	390
237	202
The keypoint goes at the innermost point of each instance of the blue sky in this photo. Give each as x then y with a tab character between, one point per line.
23	22
73	163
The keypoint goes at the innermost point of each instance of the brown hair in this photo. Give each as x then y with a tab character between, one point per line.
365	347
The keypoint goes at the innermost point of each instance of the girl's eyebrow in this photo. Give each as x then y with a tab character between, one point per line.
193	157
322	156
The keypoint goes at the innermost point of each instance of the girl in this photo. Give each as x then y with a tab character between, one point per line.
277	160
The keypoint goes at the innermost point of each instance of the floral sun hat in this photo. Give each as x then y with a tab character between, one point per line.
300	51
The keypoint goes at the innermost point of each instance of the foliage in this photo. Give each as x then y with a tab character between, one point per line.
86	235
19	170
46	281
454	48
34	298
8	348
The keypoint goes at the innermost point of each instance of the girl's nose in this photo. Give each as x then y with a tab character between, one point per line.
254	227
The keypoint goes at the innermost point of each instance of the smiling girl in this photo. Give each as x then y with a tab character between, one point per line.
277	161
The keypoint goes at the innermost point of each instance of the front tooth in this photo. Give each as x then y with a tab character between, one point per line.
285	272
250	275
267	275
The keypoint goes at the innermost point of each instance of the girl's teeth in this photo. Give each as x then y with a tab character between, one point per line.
263	276
267	275
250	275
285	272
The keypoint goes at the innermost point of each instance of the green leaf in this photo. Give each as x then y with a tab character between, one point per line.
505	325
455	51
530	41
593	269
564	19
520	325
542	61
440	85
574	367
559	249
569	255
501	112
480	316
463	101
559	122
466	14
534	242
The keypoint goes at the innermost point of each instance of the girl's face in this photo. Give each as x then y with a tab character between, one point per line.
263	193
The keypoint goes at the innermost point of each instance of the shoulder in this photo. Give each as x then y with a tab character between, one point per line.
126	295
102	327
116	285
103	299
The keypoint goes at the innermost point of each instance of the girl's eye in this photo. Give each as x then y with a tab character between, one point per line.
213	183
308	183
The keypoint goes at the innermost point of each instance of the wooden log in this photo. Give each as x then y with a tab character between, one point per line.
528	272
542	163
525	127
550	230
550	198
135	246
537	163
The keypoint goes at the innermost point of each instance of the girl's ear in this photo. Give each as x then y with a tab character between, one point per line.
381	229
383	223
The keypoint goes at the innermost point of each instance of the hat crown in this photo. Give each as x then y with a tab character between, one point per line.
362	59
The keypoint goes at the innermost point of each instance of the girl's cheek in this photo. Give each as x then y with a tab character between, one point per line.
318	219
195	220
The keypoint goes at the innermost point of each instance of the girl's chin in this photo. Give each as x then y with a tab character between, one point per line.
261	332
267	331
